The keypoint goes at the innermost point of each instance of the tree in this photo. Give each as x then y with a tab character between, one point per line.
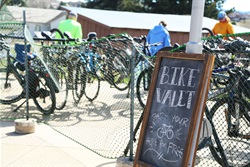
16	2
103	4
2	3
181	7
130	5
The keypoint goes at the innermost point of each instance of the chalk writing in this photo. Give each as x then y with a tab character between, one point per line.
178	80
160	155
165	131
168	122
172	97
179	120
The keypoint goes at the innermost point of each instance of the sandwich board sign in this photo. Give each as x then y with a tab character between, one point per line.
171	114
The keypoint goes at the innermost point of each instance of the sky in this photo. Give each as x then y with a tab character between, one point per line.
240	5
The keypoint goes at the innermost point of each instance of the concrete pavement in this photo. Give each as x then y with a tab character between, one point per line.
45	148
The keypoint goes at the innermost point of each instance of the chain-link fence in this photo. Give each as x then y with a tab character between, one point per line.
83	90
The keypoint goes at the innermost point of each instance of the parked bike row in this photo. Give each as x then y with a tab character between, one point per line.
80	67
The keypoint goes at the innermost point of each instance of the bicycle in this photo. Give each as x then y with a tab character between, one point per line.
13	87
113	67
55	61
84	80
233	101
56	57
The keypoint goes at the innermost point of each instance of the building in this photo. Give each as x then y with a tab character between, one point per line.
105	22
38	19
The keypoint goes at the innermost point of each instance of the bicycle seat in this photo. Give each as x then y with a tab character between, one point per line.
92	36
46	34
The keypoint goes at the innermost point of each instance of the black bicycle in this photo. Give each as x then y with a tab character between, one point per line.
13	82
232	112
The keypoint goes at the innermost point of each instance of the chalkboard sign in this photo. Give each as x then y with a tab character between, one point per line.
174	100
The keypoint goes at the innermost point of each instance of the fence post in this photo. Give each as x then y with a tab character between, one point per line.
132	95
26	67
195	46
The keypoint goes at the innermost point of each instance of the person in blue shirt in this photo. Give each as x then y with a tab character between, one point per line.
159	34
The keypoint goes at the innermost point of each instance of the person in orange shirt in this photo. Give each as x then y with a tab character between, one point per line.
224	26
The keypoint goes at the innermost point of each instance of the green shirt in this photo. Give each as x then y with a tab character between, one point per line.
71	26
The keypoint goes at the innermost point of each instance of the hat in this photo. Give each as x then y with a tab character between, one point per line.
221	15
73	13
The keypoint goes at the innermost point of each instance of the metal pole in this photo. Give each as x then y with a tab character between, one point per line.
195	46
132	81
26	67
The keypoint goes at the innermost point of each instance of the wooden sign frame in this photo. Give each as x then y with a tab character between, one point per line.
206	63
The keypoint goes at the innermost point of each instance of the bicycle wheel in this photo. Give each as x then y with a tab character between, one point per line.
219	82
62	94
79	81
11	90
45	101
235	143
92	86
142	86
207	38
206	32
121	72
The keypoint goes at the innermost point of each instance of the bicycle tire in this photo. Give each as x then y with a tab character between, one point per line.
79	82
46	101
247	114
142	86
231	145
92	86
120	72
219	82
62	95
210	32
11	90
208	40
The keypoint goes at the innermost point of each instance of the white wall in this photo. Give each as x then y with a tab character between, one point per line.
45	27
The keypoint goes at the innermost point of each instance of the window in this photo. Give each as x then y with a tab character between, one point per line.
37	28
